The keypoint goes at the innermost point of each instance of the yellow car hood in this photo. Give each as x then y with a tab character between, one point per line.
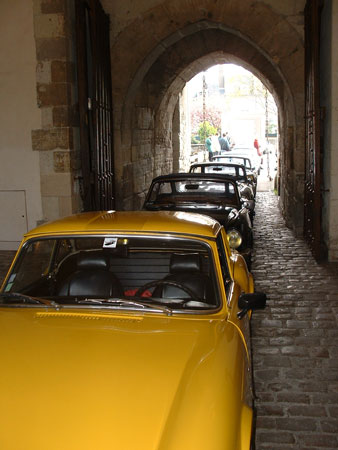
102	380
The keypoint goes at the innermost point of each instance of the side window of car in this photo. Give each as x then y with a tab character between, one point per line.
223	262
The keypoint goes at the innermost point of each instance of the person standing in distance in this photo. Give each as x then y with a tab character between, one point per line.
208	146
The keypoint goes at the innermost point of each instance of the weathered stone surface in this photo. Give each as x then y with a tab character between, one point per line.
62	71
54	94
62	161
65	116
51	48
49	26
144	118
57	185
53	6
126	189
50	207
43	72
53	138
65	206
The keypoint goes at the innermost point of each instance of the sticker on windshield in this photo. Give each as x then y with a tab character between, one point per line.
12	278
109	242
8	287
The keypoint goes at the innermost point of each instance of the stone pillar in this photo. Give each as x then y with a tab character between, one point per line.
142	154
176	137
185	131
57	139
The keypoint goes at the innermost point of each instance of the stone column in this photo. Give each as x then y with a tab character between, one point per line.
57	139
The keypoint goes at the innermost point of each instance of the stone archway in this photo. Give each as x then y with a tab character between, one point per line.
156	70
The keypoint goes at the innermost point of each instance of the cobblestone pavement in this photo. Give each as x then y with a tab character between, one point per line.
294	340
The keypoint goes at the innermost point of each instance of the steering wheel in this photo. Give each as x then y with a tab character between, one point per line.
176	284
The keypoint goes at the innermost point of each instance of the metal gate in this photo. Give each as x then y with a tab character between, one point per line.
95	105
313	157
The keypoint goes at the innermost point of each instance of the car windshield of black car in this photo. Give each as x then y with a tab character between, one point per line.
234	159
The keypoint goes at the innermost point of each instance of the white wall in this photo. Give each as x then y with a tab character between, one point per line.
19	114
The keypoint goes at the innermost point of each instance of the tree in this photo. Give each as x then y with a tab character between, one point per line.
205	130
212	116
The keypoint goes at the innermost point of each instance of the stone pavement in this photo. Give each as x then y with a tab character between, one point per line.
294	340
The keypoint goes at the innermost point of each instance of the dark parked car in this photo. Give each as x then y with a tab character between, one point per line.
239	159
211	194
235	171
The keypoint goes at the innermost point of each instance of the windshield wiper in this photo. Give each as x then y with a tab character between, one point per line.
123	302
16	297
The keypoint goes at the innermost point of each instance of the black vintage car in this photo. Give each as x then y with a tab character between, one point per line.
236	172
251	172
211	194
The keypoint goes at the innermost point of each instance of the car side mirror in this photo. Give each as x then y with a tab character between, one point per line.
247	302
151	207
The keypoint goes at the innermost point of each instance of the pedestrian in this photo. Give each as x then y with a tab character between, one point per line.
257	147
216	148
208	146
223	141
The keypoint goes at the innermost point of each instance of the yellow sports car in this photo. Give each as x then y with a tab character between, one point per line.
127	331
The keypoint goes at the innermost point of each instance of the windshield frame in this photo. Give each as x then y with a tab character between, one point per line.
209	243
190	196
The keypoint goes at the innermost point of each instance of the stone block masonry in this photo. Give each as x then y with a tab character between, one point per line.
294	340
54	35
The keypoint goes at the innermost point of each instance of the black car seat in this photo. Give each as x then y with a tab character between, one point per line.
186	269
91	278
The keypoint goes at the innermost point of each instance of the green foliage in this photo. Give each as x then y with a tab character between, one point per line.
205	129
195	139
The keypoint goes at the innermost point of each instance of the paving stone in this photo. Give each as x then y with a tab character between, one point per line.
294	343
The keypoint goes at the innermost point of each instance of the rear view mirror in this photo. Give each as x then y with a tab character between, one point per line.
247	302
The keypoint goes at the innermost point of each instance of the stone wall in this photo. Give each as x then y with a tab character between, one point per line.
185	133
177	39
57	140
156	47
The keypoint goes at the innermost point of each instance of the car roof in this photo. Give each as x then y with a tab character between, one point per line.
237	155
217	163
192	175
148	222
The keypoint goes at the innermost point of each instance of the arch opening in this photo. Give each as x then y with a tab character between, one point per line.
148	108
228	99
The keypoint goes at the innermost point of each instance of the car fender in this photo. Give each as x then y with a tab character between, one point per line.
240	272
246	427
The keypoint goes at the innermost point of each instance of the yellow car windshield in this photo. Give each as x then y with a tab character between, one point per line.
175	272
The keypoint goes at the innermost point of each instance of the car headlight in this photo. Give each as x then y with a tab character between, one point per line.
234	238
